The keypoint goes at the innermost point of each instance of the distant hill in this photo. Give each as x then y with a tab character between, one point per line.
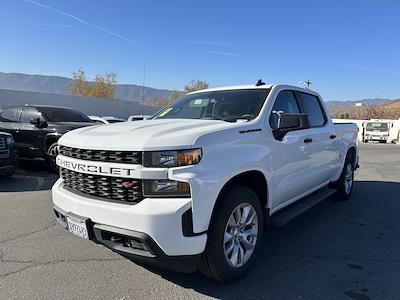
59	85
384	110
335	104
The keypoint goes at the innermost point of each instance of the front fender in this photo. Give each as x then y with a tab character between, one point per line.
220	163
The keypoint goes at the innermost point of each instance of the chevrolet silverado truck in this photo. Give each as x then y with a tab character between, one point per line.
8	156
194	187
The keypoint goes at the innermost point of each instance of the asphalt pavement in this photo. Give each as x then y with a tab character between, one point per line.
336	250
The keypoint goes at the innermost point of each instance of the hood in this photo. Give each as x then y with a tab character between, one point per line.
168	134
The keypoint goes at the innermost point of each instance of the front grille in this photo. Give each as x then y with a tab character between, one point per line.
125	190
124	157
3	143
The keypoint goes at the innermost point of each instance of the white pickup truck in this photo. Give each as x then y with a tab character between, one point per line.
194	187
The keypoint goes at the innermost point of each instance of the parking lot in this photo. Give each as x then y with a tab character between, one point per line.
336	250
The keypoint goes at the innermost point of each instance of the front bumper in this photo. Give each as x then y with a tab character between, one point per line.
157	219
134	245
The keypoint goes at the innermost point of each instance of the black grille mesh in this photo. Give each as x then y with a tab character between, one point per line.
112	188
3	144
124	157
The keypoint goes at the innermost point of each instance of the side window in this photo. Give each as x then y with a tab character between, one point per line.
311	106
285	102
29	113
10	114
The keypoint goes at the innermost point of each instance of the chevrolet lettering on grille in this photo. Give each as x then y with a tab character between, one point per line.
92	168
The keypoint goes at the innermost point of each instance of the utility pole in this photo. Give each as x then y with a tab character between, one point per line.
306	83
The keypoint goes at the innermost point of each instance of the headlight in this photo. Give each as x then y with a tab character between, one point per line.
166	188
9	140
170	159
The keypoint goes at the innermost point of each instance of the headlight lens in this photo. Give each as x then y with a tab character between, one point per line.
170	159
9	140
166	188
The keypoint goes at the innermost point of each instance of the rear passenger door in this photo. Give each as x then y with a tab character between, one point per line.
321	146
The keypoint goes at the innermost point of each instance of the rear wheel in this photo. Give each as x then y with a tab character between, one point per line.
235	235
51	155
345	183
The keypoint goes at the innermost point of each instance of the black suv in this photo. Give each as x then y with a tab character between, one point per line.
8	157
36	129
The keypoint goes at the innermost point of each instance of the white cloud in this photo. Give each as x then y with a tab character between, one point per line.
82	21
208	43
223	53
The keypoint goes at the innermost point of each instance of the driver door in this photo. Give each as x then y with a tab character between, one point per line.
32	137
290	156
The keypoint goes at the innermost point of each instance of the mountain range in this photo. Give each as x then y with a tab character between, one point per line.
132	92
59	85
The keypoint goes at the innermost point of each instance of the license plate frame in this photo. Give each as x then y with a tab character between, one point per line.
78	227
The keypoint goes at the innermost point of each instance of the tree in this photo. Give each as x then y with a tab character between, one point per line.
195	85
79	85
103	85
156	100
175	95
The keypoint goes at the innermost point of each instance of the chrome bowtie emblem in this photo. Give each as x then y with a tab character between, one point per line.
127	184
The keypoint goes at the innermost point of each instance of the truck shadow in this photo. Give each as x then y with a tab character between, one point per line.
330	246
29	176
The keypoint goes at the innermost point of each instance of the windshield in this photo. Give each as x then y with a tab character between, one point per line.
229	106
376	126
59	114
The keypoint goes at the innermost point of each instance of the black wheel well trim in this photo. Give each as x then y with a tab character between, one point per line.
243	179
352	151
49	140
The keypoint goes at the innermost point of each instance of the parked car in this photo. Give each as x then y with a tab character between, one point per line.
193	187
139	117
36	129
98	120
111	120
8	156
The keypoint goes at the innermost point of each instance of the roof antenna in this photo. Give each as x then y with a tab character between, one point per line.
260	82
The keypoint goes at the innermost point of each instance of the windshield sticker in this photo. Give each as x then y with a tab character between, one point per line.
165	112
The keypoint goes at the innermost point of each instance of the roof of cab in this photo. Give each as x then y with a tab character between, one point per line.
236	87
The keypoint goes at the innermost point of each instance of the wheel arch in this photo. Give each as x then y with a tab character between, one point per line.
255	180
352	151
49	140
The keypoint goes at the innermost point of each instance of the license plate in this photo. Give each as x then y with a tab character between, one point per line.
77	227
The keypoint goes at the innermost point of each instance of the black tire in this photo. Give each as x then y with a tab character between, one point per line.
214	263
343	192
51	155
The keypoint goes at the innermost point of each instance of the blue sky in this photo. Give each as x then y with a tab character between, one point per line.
348	49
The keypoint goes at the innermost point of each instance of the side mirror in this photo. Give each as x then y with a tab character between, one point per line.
39	122
290	122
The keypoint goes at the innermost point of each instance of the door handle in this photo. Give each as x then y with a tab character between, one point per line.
308	140
332	136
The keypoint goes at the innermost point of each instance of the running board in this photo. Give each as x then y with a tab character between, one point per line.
281	218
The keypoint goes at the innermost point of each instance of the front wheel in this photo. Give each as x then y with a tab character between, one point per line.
235	235
52	153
